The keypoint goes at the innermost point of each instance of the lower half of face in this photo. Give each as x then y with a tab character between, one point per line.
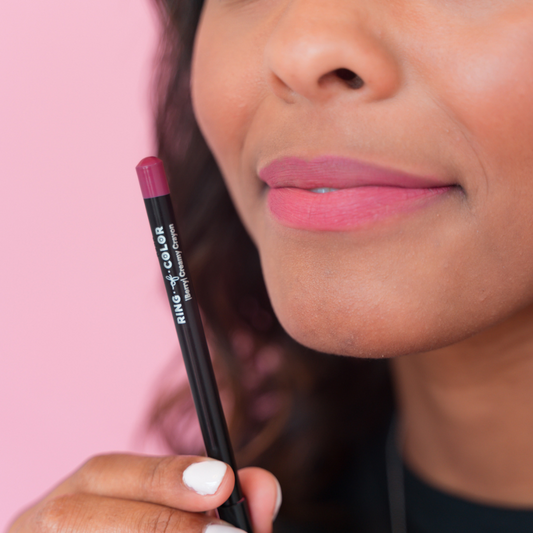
392	215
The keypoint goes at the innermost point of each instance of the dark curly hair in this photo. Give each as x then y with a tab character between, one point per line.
293	411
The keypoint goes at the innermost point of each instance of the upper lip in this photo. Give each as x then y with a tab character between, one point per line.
339	173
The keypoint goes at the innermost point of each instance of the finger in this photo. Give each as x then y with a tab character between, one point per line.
85	513
263	494
188	483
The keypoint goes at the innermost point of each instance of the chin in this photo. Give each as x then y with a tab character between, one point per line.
354	342
370	332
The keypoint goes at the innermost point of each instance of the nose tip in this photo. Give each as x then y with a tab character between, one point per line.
319	55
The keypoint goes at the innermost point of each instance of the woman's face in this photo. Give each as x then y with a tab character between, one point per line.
420	114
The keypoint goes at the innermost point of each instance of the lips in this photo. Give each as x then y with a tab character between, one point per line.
333	193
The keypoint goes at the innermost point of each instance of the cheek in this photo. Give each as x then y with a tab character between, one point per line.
226	87
486	84
488	90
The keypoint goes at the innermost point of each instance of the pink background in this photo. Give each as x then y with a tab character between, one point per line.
85	328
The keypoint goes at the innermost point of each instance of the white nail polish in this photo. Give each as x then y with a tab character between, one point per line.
279	499
204	477
221	528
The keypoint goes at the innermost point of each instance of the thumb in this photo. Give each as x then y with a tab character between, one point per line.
263	493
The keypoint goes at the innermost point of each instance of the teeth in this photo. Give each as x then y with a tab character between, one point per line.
322	190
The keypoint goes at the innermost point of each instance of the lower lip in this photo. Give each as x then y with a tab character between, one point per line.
345	209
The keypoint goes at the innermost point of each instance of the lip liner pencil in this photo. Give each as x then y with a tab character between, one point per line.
188	323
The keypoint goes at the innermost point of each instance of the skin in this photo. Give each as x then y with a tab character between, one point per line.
128	493
447	93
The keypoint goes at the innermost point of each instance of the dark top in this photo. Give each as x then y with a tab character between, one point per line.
363	494
431	511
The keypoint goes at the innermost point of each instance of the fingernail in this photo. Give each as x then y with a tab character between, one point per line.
204	477
279	499
221	528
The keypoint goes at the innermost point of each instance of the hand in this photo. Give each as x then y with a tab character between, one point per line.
138	494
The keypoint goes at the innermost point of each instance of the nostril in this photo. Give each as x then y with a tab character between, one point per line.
351	78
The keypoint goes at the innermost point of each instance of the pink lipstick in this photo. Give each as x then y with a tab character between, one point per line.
335	193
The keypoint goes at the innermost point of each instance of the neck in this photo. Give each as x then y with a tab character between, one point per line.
466	413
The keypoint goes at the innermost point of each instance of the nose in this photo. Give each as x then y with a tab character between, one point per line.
322	48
